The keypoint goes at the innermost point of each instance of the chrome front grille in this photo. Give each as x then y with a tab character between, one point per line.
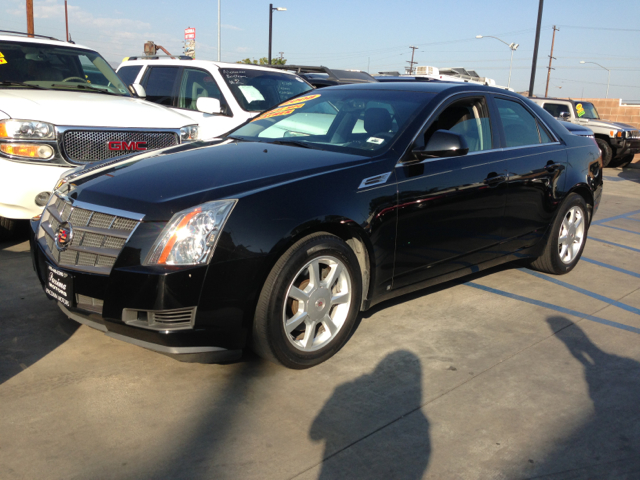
634	134
97	240
88	146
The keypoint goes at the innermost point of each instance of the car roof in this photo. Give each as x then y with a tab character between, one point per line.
196	63
431	87
41	41
555	99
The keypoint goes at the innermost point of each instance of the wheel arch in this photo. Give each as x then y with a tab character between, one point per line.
585	192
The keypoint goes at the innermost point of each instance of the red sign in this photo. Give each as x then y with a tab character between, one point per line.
189	33
136	146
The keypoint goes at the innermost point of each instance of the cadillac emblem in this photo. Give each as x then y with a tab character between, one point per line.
64	236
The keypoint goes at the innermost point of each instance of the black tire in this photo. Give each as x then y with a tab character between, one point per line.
7	228
550	260
269	338
606	151
622	161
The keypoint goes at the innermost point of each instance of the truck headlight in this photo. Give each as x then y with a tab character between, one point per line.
191	235
26	130
189	133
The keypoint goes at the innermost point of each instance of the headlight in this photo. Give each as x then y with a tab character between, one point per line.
189	133
26	129
191	235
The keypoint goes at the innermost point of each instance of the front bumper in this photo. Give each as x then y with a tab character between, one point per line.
627	147
214	336
20	183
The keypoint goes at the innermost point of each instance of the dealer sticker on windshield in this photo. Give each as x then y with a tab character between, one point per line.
2	59
580	110
376	140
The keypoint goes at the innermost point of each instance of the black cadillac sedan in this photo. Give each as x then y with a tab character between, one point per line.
276	236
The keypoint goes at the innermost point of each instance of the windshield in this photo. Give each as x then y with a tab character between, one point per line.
57	68
363	122
586	110
259	90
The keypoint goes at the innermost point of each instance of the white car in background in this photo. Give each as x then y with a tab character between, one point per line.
218	96
63	106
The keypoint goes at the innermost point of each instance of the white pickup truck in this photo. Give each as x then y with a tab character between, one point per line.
63	106
618	142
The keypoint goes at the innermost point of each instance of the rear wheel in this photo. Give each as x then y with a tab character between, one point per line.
309	303
566	239
7	228
605	150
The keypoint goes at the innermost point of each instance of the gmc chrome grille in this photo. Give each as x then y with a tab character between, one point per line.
97	240
88	146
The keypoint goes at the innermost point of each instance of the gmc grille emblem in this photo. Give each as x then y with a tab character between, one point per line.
118	145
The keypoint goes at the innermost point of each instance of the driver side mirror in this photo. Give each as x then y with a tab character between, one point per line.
138	90
443	143
209	105
565	116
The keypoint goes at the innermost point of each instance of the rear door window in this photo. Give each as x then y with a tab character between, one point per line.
520	127
160	83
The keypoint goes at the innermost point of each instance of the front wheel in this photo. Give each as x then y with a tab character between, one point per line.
566	239
309	303
605	150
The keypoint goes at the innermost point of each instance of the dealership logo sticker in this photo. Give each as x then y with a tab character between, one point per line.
64	236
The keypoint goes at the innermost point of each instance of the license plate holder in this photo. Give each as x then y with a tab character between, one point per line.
58	285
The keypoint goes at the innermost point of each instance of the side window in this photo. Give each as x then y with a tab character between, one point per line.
159	85
520	126
196	84
128	75
555	109
468	118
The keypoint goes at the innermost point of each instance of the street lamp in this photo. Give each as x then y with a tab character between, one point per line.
271	10
608	74
512	46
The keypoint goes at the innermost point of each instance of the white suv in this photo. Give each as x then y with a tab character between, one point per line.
63	106
218	96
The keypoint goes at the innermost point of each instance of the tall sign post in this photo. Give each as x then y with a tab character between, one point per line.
190	42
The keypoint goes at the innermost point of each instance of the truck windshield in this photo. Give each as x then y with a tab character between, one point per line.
259	90
586	110
56	67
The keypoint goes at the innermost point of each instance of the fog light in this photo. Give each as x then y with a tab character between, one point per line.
42	152
42	198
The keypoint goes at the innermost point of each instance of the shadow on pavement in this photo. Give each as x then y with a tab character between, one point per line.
390	449
607	446
631	174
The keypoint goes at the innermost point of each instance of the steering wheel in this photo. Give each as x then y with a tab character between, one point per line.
75	78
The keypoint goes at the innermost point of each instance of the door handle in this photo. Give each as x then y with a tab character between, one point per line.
493	179
552	167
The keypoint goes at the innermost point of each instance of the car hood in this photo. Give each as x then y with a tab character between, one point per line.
608	124
160	183
88	109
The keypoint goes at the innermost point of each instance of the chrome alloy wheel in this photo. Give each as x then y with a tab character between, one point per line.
317	303
571	235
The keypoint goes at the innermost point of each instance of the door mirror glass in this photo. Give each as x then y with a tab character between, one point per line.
138	90
208	105
443	143
564	116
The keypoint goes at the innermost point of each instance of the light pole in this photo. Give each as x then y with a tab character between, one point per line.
219	35
271	10
512	46
608	74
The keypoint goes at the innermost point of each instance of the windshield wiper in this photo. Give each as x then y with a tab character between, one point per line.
20	84
88	87
292	142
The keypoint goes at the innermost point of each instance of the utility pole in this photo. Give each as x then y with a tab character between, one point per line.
535	50
30	30
66	19
413	51
281	55
551	59
219	49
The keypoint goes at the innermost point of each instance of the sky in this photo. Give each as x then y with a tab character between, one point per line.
373	36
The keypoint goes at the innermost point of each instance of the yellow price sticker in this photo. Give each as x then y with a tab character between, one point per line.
3	61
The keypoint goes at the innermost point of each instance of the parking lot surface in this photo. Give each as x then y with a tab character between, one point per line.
508	374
